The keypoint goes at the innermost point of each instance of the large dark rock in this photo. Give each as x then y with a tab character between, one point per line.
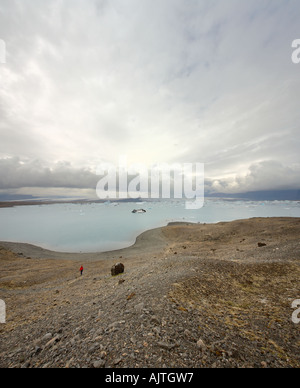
260	245
117	269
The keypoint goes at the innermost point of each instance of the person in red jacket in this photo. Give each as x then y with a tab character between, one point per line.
81	270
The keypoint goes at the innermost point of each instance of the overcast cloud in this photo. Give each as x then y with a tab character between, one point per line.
86	81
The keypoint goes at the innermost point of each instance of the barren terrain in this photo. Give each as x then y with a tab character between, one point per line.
191	296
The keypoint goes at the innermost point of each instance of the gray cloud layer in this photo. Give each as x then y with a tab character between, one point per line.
15	174
208	81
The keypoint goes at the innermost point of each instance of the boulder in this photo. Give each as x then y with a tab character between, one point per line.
117	269
260	245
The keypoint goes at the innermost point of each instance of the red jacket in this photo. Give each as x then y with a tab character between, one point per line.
81	268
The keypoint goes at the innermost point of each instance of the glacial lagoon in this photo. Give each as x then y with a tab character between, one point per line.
100	227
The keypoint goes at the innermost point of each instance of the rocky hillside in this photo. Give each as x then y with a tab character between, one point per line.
191	296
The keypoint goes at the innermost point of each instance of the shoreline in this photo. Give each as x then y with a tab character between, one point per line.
152	241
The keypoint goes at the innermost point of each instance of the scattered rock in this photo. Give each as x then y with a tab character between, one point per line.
117	361
26	365
115	324
139	307
52	342
189	336
99	364
201	345
155	320
47	337
37	350
264	364
166	346
103	355
260	245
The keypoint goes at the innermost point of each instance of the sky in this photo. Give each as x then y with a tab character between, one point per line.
159	81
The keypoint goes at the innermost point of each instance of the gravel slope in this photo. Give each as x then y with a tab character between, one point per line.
191	296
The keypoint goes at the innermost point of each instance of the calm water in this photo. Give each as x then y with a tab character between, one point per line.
103	227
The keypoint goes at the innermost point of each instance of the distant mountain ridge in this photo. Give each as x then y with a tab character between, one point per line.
269	195
16	197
